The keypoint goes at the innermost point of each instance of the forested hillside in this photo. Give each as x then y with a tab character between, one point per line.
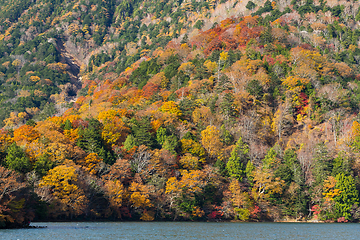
179	110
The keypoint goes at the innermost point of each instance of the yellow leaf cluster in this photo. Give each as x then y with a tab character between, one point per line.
115	191
224	56
194	148
61	180
211	141
211	66
139	195
191	182
57	151
265	184
72	134
34	79
172	108
147	216
92	163
295	84
25	133
329	190
189	162
187	67
197	212
239	199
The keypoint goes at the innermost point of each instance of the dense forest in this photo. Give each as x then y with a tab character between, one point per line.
179	110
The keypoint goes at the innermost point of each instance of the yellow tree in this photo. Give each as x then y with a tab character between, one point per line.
72	134
191	182
12	121
189	162
194	148
140	200
172	108
115	192
57	152
294	86
114	129
91	163
25	133
329	193
5	139
187	67
139	195
70	199
240	200
202	115
211	66
211	141
265	185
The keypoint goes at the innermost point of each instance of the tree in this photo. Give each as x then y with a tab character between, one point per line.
348	196
167	142
68	197
270	159
266	185
17	160
171	144
294	200
227	105
161	134
189	162
115	191
172	108
91	163
238	160
210	139
341	164
113	129
130	142
202	116
226	137
11	209
92	142
183	192
250	5
140	200
141	130
25	133
194	148
240	200
249	171
43	164
290	170
199	24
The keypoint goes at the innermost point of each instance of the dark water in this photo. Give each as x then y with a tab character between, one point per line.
184	230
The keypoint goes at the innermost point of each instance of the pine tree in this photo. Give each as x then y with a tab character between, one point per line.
348	197
130	142
142	134
239	157
17	160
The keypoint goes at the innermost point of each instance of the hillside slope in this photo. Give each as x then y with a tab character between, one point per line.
179	110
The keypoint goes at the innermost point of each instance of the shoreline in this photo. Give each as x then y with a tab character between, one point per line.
220	221
33	224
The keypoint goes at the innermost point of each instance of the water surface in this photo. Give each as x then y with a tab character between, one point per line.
184	230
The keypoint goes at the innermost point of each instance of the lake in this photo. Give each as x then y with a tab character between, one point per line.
184	230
